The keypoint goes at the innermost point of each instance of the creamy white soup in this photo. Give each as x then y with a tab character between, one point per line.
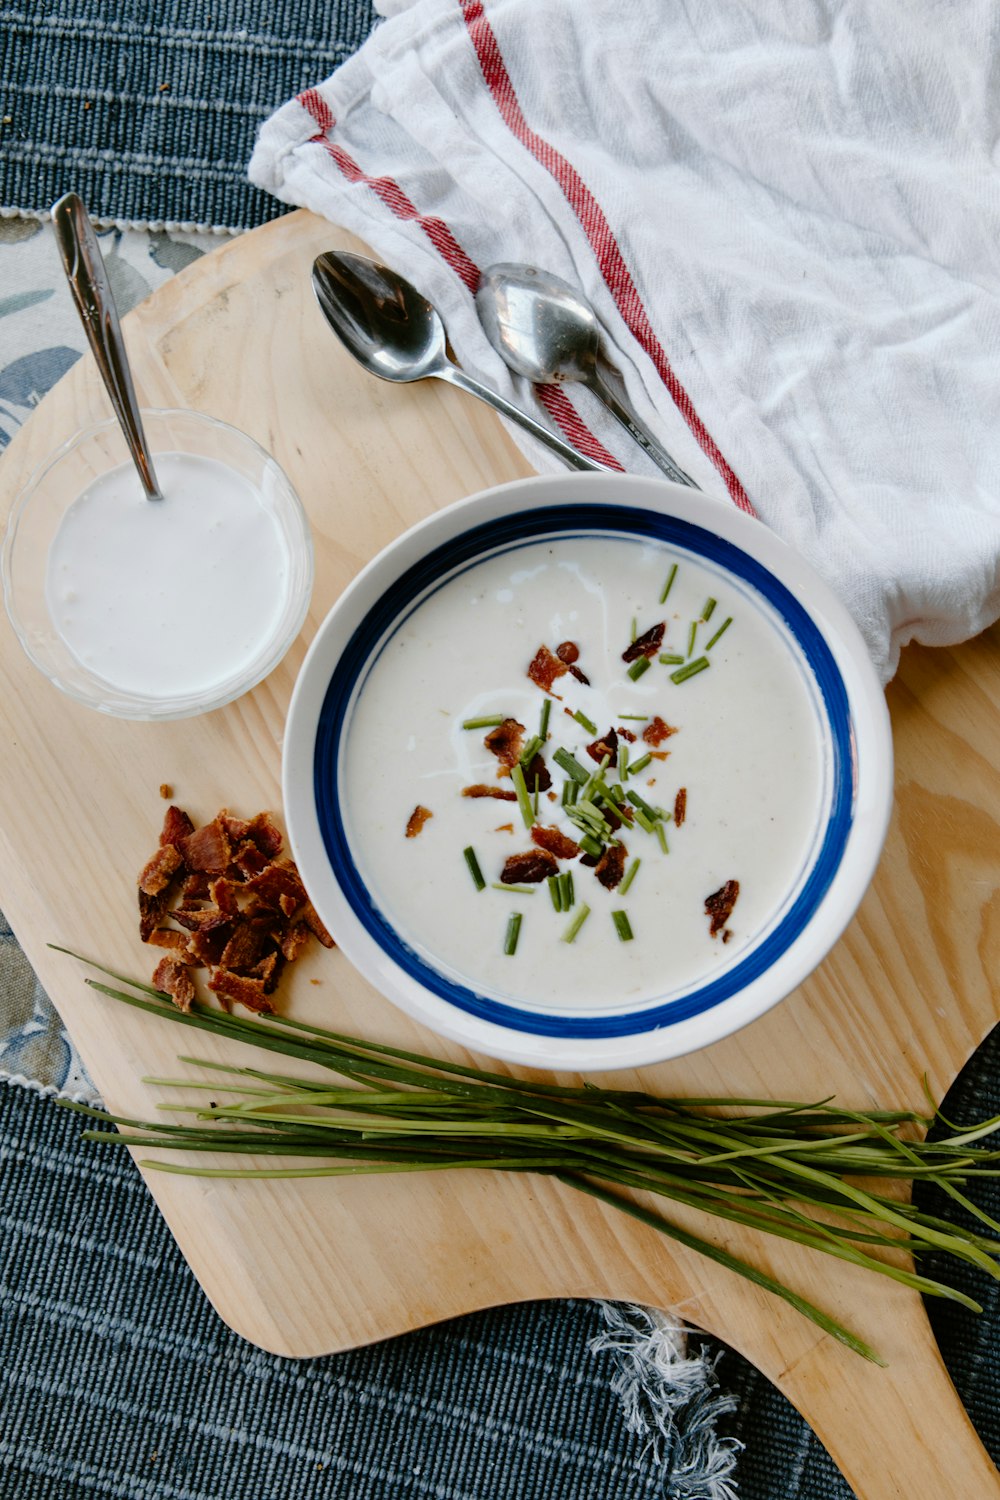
695	752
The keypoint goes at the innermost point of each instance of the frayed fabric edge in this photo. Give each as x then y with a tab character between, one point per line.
49	1090
143	226
671	1398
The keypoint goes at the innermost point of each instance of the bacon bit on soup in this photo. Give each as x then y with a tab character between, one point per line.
545	668
174	979
555	841
504	828
414	825
538	771
657	730
242	913
568	652
626	734
529	868
645	645
498	792
166	790
506	742
719	908
606	745
680	806
611	866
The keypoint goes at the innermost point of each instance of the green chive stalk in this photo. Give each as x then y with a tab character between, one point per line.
810	1173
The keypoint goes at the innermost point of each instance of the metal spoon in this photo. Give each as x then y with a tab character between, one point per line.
88	282
395	333
544	329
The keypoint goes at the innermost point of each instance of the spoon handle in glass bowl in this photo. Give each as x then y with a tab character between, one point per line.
457	376
605	381
91	291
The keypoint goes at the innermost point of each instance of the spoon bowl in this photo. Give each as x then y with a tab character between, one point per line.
395	333
545	330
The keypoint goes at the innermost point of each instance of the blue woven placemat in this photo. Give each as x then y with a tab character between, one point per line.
149	109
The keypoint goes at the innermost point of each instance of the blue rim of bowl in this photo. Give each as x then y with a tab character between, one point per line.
537	525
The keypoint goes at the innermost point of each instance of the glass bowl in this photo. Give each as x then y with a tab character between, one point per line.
37	518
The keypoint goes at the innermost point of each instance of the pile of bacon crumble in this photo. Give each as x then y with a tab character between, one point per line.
241	911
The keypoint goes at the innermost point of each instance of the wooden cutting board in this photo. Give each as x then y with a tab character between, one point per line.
305	1268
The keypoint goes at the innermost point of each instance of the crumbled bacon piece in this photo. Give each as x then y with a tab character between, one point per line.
529	868
606	745
626	734
244	912
545	668
415	822
555	841
160	870
506	742
719	907
480	790
645	645
538	771
580	676
152	910
504	828
680	806
311	918
166	790
176	826
174	979
568	652
207	848
240	989
657	730
611	866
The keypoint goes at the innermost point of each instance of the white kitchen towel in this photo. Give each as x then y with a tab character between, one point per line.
787	217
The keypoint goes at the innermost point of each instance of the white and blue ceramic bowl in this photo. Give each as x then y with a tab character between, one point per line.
854	733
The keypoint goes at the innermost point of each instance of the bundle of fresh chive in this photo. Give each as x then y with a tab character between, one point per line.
792	1170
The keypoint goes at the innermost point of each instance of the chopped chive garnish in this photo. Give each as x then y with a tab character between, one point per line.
569	935
647	824
706	613
523	800
474	870
590	846
534	801
623	926
690	669
570	765
513	929
513	890
589	810
630	875
490	721
669	584
634	631
692	632
669	659
555	891
596	777
643	806
623	762
639	718
530	750
566	889
543	723
616	794
570	792
588	724
640	764
721	631
661	834
640	665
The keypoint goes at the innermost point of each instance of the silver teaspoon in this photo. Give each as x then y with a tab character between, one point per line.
88	282
395	333
544	329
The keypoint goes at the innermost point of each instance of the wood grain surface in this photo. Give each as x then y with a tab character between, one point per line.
305	1268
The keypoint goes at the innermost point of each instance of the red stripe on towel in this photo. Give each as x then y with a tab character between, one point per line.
610	260
552	397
